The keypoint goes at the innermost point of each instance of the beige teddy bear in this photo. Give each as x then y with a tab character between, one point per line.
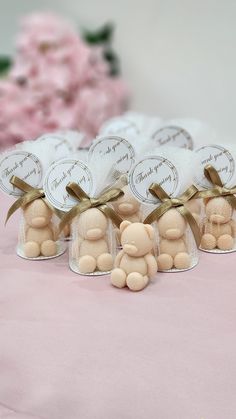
134	264
219	229
173	252
90	247
40	235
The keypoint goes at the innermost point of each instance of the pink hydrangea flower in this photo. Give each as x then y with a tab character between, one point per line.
56	82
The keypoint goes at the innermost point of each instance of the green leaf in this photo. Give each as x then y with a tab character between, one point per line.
102	35
5	64
113	60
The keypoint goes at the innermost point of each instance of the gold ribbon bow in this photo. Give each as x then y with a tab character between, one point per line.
30	195
218	188
85	202
178	203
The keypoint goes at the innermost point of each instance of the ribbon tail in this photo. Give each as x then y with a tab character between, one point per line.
150	218
76	210
110	213
24	200
212	175
192	223
14	207
67	218
156	214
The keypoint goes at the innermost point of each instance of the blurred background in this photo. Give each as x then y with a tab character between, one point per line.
178	57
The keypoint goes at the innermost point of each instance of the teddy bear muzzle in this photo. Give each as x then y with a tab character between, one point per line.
94	234
217	218
173	233
130	249
126	208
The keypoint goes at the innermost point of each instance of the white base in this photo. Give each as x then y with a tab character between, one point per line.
73	266
61	248
218	250
194	263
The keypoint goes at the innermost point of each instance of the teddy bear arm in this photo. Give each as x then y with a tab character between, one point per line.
26	229
118	258
55	231
49	233
151	264
184	244
76	246
233	227
205	226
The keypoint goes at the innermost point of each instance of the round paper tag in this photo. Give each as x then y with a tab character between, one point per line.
118	149
173	136
22	164
61	146
57	178
150	170
220	158
120	125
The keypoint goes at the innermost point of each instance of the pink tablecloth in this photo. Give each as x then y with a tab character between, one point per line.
76	348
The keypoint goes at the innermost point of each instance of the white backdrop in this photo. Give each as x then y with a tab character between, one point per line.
178	56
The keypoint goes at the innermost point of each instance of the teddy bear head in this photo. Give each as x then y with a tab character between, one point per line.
92	224
136	238
218	210
172	225
126	204
37	214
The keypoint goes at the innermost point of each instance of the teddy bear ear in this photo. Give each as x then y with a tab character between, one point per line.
149	230
124	225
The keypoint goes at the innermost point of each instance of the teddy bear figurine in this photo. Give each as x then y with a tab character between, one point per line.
173	252
219	229
40	234
135	263
90	247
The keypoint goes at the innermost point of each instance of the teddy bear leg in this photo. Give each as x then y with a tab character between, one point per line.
105	262
208	241
182	260
31	249
225	242
164	261
118	278
48	248
136	281
87	264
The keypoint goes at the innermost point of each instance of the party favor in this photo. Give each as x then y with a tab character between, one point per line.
164	183
84	194
21	176
217	177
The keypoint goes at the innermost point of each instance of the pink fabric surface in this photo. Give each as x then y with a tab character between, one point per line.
74	348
